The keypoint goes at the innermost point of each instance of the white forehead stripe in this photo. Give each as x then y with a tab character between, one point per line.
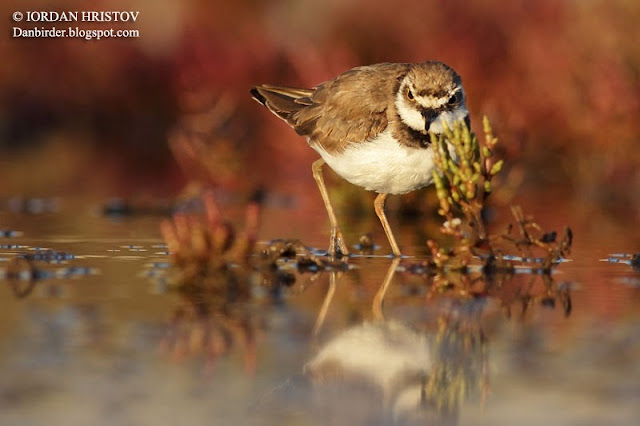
433	102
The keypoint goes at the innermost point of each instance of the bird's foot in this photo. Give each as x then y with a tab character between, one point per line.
337	246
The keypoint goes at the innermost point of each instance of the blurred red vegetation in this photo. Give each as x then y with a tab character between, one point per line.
206	247
560	81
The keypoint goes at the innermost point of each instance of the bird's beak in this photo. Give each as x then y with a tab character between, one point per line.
429	115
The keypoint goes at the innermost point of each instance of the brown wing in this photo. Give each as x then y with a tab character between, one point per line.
352	107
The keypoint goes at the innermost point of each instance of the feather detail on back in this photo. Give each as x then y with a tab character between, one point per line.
353	107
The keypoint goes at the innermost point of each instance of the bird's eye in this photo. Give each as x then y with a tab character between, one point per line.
409	94
454	99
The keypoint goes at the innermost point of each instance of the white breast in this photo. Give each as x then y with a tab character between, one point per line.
382	165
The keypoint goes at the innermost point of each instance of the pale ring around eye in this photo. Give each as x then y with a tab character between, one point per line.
410	95
454	99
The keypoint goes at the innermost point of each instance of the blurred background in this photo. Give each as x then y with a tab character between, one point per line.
168	113
560	81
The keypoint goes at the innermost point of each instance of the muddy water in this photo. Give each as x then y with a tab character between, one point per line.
99	337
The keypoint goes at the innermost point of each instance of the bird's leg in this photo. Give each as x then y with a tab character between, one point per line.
378	300
379	206
326	303
336	234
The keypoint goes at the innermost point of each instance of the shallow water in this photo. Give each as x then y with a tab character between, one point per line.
101	339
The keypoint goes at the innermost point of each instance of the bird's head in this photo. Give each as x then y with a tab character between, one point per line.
429	96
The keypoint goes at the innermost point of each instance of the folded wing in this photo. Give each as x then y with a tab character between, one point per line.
353	107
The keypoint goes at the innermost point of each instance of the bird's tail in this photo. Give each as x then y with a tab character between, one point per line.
282	101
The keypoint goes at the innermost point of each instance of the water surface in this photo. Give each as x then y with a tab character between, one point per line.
102	339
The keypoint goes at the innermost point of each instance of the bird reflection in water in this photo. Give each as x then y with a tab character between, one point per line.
420	372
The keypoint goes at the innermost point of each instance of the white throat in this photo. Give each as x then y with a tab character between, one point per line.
448	117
